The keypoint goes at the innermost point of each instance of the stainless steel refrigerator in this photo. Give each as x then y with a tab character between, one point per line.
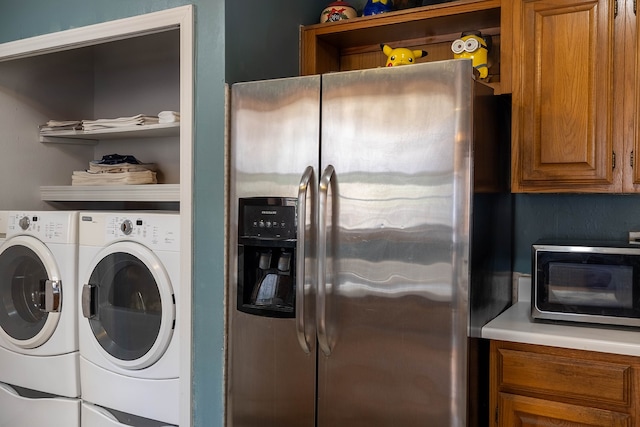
354	292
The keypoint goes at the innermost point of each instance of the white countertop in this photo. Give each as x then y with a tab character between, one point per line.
515	324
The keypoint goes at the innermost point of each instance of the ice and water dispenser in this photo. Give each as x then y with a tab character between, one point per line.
266	256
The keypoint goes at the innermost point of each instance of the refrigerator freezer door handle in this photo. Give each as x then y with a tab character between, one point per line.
303	188
321	323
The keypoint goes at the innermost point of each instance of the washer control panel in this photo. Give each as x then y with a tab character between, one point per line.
49	227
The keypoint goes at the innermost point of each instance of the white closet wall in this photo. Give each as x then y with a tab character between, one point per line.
106	80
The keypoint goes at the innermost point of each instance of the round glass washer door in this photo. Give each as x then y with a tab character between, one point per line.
25	264
132	305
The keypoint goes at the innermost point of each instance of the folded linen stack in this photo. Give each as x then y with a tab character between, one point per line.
137	120
114	169
99	124
168	117
61	125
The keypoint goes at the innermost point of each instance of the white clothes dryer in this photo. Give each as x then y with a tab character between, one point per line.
24	407
129	269
38	309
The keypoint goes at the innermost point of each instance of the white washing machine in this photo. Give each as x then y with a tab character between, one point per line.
39	359
38	310
128	273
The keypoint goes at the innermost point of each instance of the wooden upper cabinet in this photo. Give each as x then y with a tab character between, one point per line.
564	109
631	119
354	44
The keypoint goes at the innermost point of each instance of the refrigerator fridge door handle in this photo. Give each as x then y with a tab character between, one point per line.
303	188
321	323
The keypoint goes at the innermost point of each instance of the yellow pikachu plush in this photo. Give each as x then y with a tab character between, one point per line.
401	55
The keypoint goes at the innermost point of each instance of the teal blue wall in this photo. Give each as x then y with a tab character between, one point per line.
262	37
571	216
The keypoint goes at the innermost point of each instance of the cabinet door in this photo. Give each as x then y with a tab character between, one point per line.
563	96
515	410
632	104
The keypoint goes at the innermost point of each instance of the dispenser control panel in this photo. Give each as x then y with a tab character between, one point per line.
269	218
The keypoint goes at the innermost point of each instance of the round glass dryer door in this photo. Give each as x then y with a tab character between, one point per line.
129	305
28	272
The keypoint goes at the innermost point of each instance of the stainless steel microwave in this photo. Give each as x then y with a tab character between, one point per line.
586	282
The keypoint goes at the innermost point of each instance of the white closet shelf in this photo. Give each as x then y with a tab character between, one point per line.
111	193
93	136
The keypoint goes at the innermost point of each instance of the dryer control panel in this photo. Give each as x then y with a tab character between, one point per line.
157	231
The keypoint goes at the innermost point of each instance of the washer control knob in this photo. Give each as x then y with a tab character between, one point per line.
126	227
24	222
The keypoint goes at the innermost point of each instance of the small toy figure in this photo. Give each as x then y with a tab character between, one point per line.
373	7
337	11
401	55
473	45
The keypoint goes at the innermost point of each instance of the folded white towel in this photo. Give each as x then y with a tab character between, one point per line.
60	125
120	167
139	119
117	178
168	116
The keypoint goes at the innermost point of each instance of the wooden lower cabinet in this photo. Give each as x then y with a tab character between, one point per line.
516	410
534	385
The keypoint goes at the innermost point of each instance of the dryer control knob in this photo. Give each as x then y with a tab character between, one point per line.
24	222
126	227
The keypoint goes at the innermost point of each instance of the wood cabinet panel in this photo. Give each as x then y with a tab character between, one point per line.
533	385
530	412
597	381
563	99
631	118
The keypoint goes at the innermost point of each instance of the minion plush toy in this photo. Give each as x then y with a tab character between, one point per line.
473	45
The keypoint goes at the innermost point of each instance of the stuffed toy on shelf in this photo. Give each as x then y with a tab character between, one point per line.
401	55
